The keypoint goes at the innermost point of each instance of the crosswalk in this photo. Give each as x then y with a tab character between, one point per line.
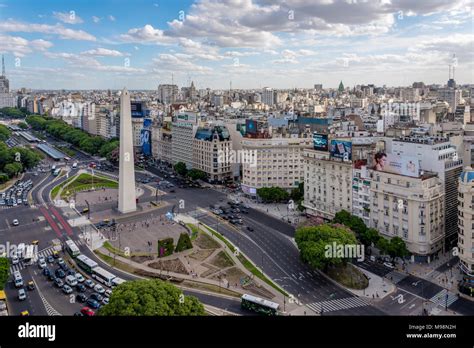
337	305
440	298
45	253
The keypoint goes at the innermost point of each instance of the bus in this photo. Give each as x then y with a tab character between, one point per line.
103	276
56	172
259	305
85	263
72	248
29	255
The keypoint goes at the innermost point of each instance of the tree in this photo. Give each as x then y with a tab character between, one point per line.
397	248
150	298
3	178
22	125
4	271
315	241
184	243
272	194
108	147
196	174
180	168
371	235
165	247
4	133
13	169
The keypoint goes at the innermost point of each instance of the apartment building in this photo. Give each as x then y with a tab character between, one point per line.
466	226
209	143
278	162
411	208
182	140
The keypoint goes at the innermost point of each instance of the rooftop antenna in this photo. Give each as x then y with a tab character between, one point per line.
3	65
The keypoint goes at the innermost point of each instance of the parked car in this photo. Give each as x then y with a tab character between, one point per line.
67	289
81	298
80	287
31	285
59	273
79	277
50	259
42	263
58	282
61	262
105	301
108	292
87	312
93	303
89	283
99	289
97	297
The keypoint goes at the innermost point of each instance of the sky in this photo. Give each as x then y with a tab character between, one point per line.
109	44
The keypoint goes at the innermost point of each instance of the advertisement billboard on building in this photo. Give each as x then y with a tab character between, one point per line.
320	142
251	126
341	149
136	109
147	123
145	139
402	165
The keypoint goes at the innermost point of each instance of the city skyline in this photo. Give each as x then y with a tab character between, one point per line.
280	44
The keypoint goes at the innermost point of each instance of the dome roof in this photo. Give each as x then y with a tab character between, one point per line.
467	175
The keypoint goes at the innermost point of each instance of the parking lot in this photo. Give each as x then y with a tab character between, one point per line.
16	195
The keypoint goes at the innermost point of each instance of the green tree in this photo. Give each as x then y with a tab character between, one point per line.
315	244
196	174
108	147
22	125
184	243
150	298
3	178
4	133
397	248
13	169
180	168
4	271
371	235
272	194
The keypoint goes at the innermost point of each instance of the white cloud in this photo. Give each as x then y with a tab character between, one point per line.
58	29
147	34
95	19
68	17
20	46
103	52
111	18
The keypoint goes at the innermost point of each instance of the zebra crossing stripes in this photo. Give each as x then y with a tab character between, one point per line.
338	304
440	298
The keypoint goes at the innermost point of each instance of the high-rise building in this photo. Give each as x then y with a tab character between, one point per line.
168	94
268	96
182	138
466	227
6	98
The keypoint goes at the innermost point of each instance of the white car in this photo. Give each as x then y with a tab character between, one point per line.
99	289
389	265
15	221
108	292
21	294
79	277
15	260
41	263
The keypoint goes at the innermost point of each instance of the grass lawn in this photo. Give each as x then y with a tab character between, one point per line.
85	182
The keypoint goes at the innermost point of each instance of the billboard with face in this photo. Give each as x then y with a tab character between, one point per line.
341	149
402	165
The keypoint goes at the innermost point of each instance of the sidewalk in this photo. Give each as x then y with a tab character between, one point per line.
378	287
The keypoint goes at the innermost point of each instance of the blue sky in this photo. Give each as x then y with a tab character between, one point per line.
253	43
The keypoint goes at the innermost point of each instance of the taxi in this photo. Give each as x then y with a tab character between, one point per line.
25	313
35	242
31	285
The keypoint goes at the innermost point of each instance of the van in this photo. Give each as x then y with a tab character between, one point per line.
74	165
71	280
18	279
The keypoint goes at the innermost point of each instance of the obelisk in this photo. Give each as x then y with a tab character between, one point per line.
126	200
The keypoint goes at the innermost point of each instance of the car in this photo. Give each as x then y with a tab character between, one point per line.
42	264
58	282
108	292
82	298
61	261
67	289
36	242
65	268
80	287
87	312
22	294
59	273
249	228
105	301
25	313
15	222
389	265
89	283
50	259
98	288
71	280
79	277
244	211
96	296
31	285
71	272
52	277
46	271
55	254
15	260
93	303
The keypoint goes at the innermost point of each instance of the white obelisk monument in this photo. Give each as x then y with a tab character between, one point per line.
126	200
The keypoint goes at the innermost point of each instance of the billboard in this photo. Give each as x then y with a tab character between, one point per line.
320	142
251	126
402	165
341	149
136	109
147	123
145	140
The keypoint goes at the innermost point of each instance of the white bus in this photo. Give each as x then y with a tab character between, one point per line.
103	276
72	248
29	254
85	263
